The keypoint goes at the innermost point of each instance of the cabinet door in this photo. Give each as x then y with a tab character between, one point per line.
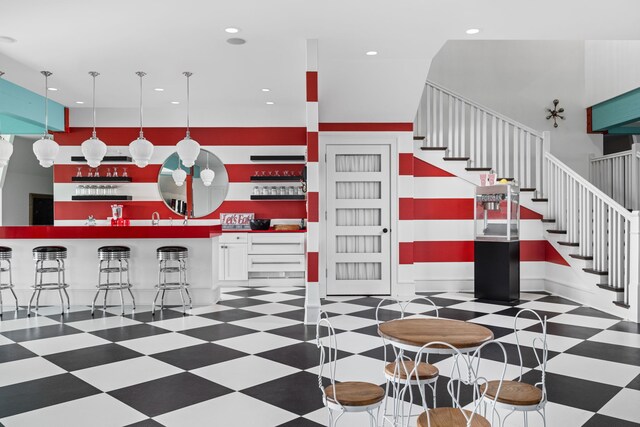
233	261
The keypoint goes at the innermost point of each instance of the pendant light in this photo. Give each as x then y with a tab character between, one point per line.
179	175
6	148
141	149
188	149
207	174
93	149
46	149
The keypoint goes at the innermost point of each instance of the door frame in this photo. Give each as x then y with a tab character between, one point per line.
390	139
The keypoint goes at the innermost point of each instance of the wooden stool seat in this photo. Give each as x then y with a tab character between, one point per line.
513	393
450	417
355	393
426	371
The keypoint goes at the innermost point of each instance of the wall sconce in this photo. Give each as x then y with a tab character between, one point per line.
555	114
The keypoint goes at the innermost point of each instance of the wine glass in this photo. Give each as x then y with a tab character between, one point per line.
108	172
79	173
90	174
124	172
115	172
96	173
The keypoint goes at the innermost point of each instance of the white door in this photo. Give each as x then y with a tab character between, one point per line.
358	220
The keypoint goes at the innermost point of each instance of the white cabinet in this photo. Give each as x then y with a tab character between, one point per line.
232	257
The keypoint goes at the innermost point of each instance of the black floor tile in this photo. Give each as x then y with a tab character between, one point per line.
169	393
12	314
498	332
145	316
293	315
635	384
253	292
197	356
453	313
599	420
370	301
625	326
298	302
217	332
493	352
303	355
592	312
570	331
369	330
512	311
300	422
91	356
243	302
383	315
299	332
42	392
444	302
11	352
610	352
575	392
300	292
41	332
76	316
145	423
231	315
280	393
129	332
558	300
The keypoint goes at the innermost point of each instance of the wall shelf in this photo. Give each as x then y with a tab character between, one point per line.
278	197
102	198
284	158
295	178
106	159
101	179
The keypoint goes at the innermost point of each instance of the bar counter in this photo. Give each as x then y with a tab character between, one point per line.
108	232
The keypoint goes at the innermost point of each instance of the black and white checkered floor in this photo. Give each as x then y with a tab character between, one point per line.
250	361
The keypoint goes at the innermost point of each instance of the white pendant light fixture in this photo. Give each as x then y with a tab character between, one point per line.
46	149
6	148
188	149
179	175
93	149
141	149
207	174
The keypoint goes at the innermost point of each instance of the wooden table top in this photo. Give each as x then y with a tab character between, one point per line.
418	332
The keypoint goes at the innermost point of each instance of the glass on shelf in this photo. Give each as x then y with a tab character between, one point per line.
276	173
124	172
274	191
115	190
108	172
79	173
282	191
265	191
79	190
90	173
256	190
115	172
96	174
300	192
291	191
286	173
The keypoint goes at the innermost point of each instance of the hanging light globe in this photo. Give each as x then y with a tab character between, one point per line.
188	150
179	176
207	176
46	150
6	150
141	149
93	151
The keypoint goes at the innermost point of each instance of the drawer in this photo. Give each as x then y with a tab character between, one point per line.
276	262
275	243
233	238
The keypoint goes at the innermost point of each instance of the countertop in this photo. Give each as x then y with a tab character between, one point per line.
109	232
270	230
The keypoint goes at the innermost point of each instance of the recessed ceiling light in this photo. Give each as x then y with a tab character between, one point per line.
53	89
7	39
236	41
472	31
80	102
175	102
266	89
232	30
372	53
270	103
159	89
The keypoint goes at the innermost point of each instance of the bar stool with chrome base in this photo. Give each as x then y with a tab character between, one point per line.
50	254
117	263
173	260
5	255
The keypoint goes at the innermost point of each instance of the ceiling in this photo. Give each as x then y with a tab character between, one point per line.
166	37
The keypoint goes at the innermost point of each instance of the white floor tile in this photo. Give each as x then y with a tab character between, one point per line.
278	297
354	342
230	410
244	372
63	343
531	296
584	321
624	405
56	309
100	323
184	322
356	419
481	307
489	369
504	321
196	311
4	340
355	368
554	342
601	371
347	323
113	376
617	338
100	410
257	343
548	306
27	369
272	308
265	323
159	343
27	322
341	307
456	295
556	414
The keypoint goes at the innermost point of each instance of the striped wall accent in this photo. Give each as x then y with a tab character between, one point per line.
223	142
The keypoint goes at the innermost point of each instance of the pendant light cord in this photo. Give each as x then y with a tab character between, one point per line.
94	74
188	74
141	74
46	75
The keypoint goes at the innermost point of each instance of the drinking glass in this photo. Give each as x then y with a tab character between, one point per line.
90	173
96	173
79	173
282	191
108	172
277	173
115	172
274	191
124	172
286	173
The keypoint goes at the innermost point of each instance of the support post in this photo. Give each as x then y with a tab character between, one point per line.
634	268
635	174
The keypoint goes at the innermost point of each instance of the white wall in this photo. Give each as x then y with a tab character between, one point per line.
520	79
612	67
24	176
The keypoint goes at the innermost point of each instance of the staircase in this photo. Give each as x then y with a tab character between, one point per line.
598	237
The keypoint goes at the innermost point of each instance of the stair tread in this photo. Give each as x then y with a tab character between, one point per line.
418	138
582	257
573	244
548	220
557	231
456	158
597	272
621	304
478	169
539	200
527	189
501	178
609	288
433	148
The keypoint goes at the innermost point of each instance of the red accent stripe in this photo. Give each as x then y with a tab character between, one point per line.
366	127
74	210
451	209
405	253
424	169
136	232
405	209
405	164
312	146
312	86
312	266
205	136
312	206
553	256
462	251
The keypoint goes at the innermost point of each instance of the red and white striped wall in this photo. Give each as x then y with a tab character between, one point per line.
233	146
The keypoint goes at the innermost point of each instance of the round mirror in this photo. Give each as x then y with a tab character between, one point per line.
193	197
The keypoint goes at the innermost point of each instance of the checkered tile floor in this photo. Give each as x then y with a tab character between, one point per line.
250	361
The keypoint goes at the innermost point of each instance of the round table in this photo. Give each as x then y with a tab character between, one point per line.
412	334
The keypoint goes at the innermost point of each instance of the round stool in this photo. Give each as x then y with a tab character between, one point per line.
172	260
5	257
43	255
113	260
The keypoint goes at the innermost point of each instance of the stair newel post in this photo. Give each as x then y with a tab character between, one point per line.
545	186
635	175
632	291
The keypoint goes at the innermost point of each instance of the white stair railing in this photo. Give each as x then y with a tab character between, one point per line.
486	137
617	175
601	226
